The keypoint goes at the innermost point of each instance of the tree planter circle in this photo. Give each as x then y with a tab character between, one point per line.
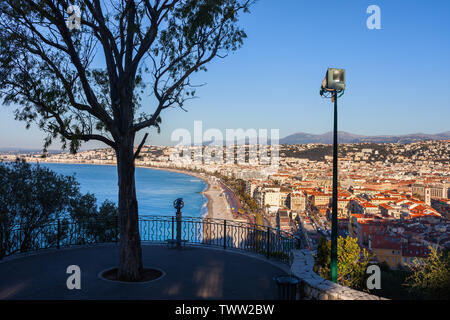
148	275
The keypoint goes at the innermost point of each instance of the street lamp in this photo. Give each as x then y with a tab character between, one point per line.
333	86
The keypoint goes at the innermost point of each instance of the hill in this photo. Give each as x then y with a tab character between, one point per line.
345	137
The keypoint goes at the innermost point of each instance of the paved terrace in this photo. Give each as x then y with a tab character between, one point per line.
191	273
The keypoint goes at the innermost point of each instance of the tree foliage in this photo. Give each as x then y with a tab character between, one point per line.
430	277
89	83
98	224
352	262
33	197
392	283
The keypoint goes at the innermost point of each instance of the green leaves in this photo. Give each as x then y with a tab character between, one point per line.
88	84
96	223
431	277
352	262
33	197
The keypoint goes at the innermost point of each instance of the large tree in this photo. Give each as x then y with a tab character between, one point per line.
87	83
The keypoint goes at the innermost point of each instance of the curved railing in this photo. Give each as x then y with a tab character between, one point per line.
273	243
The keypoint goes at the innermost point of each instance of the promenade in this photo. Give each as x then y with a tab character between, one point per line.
190	273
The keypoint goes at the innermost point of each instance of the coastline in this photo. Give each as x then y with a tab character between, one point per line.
217	205
218	208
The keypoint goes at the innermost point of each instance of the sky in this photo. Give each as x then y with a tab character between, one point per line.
396	77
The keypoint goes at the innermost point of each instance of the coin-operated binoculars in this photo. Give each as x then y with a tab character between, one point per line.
178	204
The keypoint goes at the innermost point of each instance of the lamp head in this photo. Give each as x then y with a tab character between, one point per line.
334	80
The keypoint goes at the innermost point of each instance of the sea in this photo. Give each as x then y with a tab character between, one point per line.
156	189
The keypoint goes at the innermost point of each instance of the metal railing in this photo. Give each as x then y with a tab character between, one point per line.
229	235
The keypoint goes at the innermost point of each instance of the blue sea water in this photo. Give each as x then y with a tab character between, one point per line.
156	189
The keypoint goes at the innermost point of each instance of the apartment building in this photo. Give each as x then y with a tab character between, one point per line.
387	249
362	207
391	210
364	228
411	252
284	194
271	196
318	198
267	196
442	206
296	201
437	191
250	187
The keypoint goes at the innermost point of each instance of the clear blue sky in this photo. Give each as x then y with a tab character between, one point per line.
397	77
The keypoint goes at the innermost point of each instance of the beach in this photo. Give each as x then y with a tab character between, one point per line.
218	207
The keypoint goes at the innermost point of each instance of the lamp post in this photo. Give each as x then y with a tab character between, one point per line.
333	86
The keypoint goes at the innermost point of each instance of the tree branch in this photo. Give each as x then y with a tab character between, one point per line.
136	154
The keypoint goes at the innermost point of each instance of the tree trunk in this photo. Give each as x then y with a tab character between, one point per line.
130	255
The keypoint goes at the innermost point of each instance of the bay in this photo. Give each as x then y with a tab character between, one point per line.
156	189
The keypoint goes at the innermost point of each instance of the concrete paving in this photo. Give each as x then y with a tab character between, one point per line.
190	273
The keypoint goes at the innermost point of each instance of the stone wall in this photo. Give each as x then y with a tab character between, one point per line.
314	287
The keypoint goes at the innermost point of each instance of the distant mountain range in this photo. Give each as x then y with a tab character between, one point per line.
345	137
13	150
302	138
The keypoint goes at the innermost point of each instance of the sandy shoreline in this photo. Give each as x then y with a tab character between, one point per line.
218	207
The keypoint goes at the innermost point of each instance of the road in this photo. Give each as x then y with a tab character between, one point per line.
234	203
